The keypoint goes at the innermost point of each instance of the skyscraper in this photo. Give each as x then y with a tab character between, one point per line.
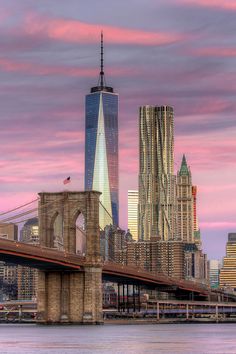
185	203
228	271
101	146
157	183
133	213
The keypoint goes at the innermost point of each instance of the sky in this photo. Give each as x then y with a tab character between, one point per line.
176	52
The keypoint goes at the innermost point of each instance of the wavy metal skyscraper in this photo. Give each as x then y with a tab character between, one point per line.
101	146
157	182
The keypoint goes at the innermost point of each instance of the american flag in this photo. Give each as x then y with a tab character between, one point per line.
67	180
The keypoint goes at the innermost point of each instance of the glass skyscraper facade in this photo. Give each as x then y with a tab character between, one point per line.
101	148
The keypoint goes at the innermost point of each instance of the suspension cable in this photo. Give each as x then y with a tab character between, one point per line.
17	216
19	207
106	211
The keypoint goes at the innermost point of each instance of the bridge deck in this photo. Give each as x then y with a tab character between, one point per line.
51	259
37	256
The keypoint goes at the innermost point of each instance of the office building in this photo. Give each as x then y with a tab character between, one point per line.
185	204
157	183
8	231
171	258
158	257
30	232
113	243
195	264
228	271
101	147
28	277
133	213
8	271
214	273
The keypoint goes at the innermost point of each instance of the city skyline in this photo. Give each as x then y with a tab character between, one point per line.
167	56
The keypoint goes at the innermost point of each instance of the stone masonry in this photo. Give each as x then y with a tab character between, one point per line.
71	296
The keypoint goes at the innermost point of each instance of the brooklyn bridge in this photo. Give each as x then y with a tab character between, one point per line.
70	284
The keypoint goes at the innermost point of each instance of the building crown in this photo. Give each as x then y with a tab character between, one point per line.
184	170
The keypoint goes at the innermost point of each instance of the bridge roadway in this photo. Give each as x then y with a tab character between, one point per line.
44	258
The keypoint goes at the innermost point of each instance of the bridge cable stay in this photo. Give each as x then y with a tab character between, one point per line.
16	216
29	211
19	207
21	221
107	213
19	215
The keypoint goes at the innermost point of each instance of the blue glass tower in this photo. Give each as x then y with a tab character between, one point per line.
101	146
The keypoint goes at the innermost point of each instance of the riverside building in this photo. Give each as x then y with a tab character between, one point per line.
214	273
8	271
228	271
28	277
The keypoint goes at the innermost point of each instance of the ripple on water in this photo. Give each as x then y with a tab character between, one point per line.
116	339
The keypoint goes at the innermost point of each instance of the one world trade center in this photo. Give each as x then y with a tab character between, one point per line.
101	147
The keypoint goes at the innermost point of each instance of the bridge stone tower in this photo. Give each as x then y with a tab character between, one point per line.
71	296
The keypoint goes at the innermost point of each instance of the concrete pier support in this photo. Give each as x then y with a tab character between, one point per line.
71	296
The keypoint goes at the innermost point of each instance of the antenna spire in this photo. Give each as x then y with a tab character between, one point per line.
101	71
101	78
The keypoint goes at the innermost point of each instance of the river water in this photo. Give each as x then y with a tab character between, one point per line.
114	339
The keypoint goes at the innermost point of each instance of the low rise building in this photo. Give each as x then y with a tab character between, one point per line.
214	273
8	271
28	277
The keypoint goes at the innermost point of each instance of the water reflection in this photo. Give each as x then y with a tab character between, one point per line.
138	339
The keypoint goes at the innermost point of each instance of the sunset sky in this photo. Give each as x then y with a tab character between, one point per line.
176	52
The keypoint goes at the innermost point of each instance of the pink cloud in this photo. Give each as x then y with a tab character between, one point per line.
208	107
209	150
222	4
74	136
38	69
215	52
77	31
5	14
211	156
10	65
